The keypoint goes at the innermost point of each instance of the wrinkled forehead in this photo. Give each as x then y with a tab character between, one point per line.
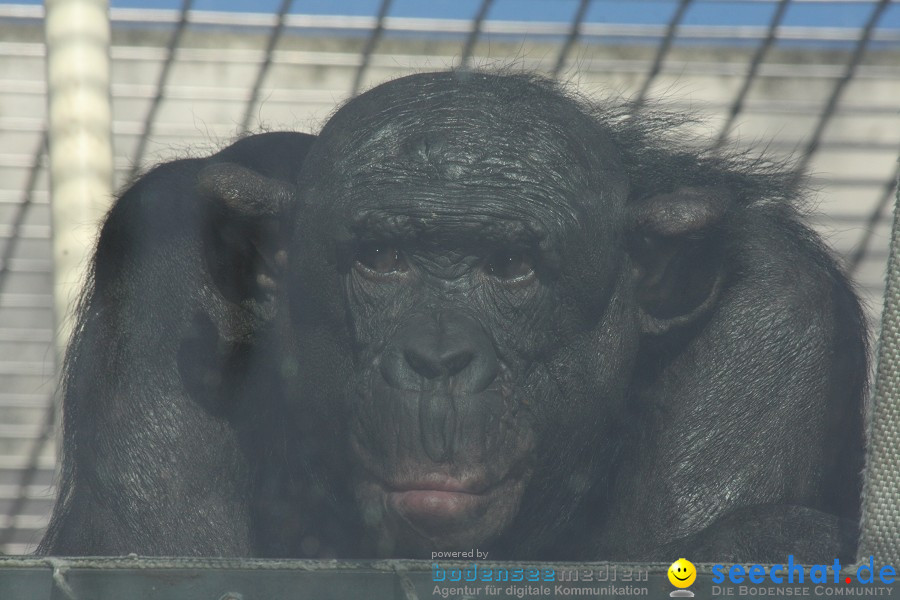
467	153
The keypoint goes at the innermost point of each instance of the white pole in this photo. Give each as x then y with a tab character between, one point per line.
81	164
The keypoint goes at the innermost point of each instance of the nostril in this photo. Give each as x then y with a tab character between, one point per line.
425	365
454	362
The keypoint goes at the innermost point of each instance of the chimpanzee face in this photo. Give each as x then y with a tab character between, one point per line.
454	242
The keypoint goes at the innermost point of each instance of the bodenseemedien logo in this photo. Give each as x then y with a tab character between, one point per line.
682	574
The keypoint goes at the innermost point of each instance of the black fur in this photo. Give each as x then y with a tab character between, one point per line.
475	311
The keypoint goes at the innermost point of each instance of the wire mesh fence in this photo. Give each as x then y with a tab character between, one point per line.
185	81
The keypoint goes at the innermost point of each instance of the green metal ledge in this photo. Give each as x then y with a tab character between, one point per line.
144	578
242	579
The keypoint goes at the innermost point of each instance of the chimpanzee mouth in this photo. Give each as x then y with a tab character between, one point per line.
423	505
438	501
437	505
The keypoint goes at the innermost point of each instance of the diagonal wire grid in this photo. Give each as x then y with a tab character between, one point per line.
566	44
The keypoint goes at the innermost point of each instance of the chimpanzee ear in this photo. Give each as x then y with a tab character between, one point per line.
675	246
245	243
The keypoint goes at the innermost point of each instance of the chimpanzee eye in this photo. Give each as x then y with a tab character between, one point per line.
509	266
381	258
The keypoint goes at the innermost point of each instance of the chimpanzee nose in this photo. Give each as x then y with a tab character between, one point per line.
431	362
448	345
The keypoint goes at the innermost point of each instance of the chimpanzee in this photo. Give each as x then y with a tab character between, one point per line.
477	310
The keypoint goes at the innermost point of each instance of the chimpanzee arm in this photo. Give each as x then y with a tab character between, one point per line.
152	460
770	416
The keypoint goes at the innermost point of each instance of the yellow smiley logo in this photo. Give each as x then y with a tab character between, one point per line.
682	573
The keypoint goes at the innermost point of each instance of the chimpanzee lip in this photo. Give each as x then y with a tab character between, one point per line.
440	500
438	482
440	507
437	502
434	509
